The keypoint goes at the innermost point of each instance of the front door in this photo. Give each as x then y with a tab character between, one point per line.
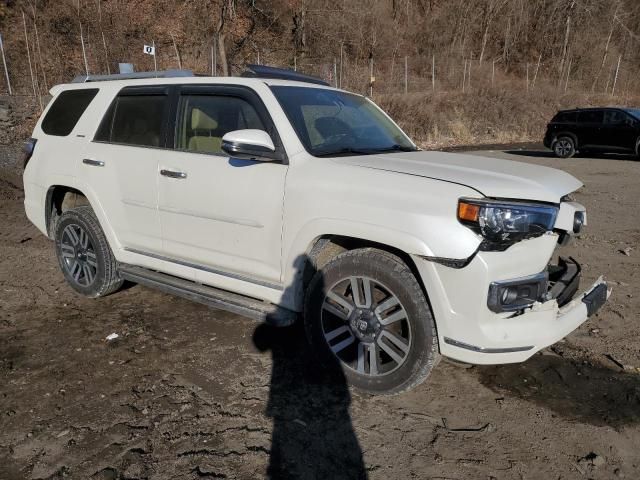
218	213
618	132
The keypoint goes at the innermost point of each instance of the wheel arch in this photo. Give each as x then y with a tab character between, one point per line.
564	133
62	195
324	247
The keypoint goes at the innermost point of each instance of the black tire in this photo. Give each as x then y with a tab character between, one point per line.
638	148
564	147
84	255
416	327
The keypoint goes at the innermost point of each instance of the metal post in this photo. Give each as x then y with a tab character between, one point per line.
295	63
406	74
433	72
371	76
341	47
464	75
26	39
155	62
335	72
84	52
4	62
215	57
615	79
106	55
566	84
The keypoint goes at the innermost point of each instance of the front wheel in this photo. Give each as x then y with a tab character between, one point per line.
564	147
366	314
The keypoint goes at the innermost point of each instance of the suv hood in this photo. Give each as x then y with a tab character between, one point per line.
492	177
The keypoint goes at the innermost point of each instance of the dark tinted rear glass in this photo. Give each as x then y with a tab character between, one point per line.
66	110
591	116
134	120
565	117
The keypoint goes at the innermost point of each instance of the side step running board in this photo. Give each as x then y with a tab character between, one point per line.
213	297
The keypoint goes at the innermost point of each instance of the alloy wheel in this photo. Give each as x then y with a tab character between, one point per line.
78	255
366	326
563	147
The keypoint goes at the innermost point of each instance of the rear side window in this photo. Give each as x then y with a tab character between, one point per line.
134	120
591	116
66	110
565	117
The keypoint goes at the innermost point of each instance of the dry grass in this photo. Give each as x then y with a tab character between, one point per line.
486	115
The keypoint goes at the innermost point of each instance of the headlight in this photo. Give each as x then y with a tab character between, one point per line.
504	223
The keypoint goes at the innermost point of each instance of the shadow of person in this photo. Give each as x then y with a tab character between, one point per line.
313	436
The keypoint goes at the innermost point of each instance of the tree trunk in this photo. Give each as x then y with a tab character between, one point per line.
220	40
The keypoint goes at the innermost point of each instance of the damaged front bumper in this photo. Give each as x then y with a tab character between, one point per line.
474	328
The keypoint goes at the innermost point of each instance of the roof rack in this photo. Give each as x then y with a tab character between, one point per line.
262	71
134	75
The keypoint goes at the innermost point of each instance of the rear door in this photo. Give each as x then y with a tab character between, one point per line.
589	128
219	214
121	165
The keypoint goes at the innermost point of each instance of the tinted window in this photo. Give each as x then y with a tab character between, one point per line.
66	110
615	117
565	117
591	116
134	120
204	119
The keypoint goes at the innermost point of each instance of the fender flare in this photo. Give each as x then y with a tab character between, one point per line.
92	198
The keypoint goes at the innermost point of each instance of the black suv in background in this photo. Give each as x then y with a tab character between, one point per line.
601	129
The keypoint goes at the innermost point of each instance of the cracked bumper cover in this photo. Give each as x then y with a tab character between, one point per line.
470	332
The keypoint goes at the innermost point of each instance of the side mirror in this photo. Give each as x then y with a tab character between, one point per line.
249	144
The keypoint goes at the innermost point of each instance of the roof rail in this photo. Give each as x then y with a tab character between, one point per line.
262	71
134	75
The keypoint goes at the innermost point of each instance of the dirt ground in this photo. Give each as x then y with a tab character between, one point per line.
189	392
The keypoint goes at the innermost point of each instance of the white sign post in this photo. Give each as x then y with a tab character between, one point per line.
4	62
151	50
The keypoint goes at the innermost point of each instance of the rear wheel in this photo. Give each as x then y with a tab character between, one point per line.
564	147
85	258
366	314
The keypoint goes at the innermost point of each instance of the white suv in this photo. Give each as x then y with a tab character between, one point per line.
278	195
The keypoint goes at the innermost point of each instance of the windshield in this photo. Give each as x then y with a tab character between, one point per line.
332	123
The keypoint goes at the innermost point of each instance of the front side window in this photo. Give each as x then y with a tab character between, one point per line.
204	119
333	123
66	110
134	120
614	117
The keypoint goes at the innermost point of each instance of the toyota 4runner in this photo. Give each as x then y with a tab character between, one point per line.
273	195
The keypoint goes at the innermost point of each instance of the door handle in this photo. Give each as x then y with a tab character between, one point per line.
173	174
93	163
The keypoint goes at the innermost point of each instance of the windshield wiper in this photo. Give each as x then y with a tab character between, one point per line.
396	148
368	151
345	151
